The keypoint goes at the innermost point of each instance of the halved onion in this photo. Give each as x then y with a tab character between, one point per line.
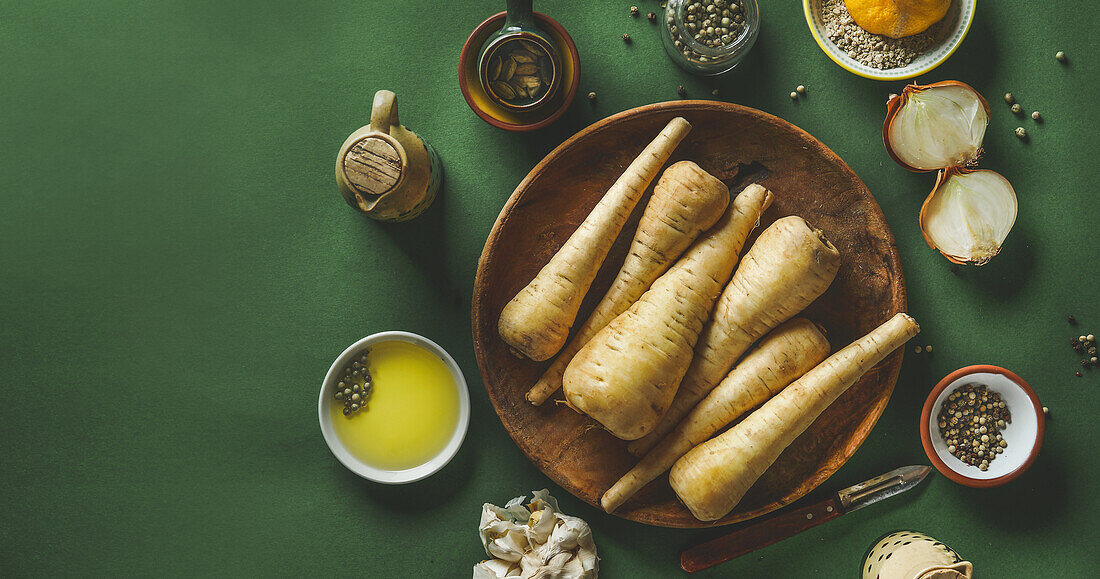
968	215
935	126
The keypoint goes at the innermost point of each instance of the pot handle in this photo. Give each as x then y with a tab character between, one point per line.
520	14
383	113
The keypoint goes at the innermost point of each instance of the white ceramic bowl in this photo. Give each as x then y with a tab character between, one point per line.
1024	433
961	11
325	401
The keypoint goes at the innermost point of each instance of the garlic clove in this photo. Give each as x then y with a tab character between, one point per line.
935	126
535	541
968	215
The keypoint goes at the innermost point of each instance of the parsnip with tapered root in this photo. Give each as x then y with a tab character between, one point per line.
626	376
536	322
788	267
686	201
785	354
712	477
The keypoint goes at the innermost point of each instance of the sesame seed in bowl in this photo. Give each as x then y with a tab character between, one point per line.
880	57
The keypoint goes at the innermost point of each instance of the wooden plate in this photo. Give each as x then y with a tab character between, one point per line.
738	145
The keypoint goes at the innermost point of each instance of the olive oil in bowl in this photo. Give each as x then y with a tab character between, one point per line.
413	408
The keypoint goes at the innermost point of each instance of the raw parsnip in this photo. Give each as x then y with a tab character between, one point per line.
786	353
786	269
686	201
712	477
626	376
536	322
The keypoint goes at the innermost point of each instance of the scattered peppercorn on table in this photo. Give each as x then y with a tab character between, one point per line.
178	270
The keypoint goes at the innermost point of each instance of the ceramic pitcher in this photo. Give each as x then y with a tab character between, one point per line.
385	170
913	555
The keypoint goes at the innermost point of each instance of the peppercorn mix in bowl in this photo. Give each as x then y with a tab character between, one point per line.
880	57
982	426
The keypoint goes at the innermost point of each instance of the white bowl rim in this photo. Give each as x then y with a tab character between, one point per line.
416	473
969	475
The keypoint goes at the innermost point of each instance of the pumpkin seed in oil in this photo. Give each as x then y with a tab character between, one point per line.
494	68
503	90
531	47
531	83
520	70
509	69
544	70
523	57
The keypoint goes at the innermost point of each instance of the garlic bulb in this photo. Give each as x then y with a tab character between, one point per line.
535	541
968	214
935	126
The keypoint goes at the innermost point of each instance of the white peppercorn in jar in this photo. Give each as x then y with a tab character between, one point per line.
709	37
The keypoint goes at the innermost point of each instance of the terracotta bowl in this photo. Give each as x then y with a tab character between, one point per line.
509	120
1024	433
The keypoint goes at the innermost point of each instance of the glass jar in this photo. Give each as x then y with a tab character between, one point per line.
681	24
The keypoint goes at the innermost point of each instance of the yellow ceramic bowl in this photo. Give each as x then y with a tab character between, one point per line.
959	17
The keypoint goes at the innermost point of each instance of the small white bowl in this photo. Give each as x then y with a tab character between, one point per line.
961	10
1024	433
324	414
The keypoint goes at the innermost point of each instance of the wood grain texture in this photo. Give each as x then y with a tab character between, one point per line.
373	166
738	145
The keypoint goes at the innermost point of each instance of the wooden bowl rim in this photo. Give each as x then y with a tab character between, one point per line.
892	362
926	434
468	51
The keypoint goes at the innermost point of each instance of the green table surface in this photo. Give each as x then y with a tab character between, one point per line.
177	272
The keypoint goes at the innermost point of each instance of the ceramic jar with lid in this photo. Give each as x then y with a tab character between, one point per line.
385	170
913	555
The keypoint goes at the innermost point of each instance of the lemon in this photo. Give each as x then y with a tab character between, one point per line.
897	18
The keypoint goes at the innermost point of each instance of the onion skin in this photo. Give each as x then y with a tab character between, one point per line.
942	178
895	104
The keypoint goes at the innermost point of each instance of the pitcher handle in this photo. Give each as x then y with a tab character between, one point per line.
383	113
